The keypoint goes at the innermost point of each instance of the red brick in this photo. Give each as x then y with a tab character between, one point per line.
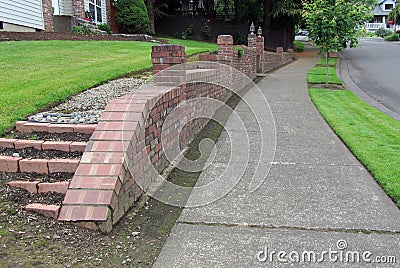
78	146
84	213
89	197
9	164
112	135
103	158
34	165
108	146
37	144
49	211
57	145
98	170
101	183
63	165
30	186
85	128
7	143
20	126
61	128
122	116
58	187
37	127
115	126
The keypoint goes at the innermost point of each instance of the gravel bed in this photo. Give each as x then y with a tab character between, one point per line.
39	154
48	136
88	106
53	177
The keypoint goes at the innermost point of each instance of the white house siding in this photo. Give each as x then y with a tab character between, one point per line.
22	12
67	10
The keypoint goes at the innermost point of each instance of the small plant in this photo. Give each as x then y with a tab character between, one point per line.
239	51
382	32
82	29
206	30
241	38
392	37
298	46
105	27
187	32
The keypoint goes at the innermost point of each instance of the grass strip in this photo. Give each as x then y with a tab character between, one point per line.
372	136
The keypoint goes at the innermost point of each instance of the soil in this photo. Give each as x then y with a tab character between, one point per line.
39	154
330	86
47	136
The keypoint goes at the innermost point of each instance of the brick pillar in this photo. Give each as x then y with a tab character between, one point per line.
260	45
279	50
78	7
251	40
108	12
225	49
166	56
47	16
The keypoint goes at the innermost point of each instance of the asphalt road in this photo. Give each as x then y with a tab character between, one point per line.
372	72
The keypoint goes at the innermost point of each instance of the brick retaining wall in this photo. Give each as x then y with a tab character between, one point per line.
136	133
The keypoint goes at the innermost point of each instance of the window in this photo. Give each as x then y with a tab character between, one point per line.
95	10
388	6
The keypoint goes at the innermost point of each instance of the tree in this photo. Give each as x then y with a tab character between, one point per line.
150	10
395	13
335	24
131	16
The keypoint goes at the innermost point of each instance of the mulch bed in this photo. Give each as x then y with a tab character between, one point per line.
48	136
39	154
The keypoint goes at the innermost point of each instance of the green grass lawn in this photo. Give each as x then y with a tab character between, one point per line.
38	73
317	75
372	136
331	62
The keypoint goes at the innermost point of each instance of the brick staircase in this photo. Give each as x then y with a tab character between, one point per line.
17	163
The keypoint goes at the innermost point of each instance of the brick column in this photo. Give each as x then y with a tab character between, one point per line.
166	56
260	45
279	50
225	49
47	16
78	7
252	40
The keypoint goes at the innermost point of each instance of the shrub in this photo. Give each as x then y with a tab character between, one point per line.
298	46
105	27
241	38
82	29
382	32
131	16
187	32
392	37
206	30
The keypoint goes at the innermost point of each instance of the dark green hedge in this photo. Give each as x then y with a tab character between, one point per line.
131	16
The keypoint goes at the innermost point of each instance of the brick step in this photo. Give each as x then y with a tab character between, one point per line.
37	187
49	211
40	166
29	127
65	146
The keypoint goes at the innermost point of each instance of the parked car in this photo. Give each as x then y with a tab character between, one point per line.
302	32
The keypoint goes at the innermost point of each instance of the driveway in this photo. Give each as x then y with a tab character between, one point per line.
372	72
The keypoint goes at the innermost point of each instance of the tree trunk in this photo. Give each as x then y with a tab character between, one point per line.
327	68
150	11
267	15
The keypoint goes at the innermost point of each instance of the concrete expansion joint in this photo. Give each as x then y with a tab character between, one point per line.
294	228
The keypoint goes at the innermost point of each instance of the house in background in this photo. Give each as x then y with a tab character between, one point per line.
381	13
51	15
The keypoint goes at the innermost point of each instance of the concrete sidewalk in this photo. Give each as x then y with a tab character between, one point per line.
318	204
